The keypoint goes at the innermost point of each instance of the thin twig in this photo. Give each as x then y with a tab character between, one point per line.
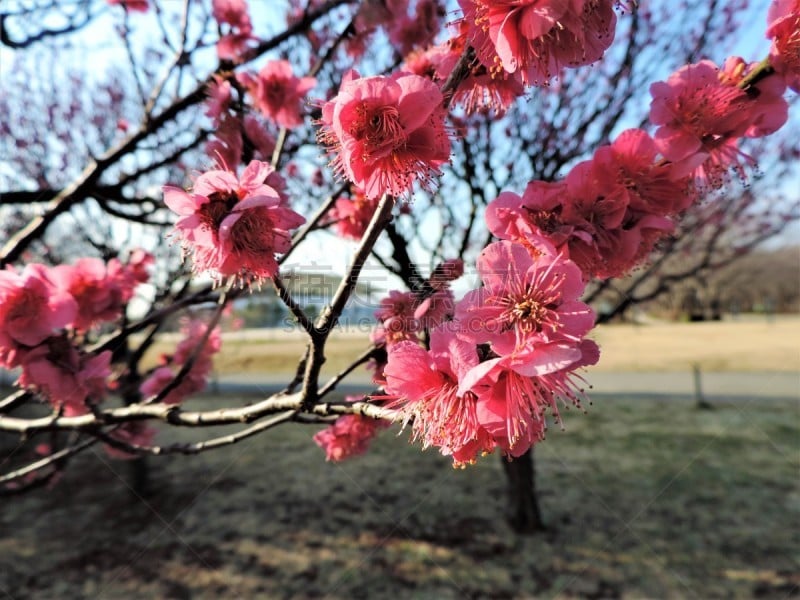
294	307
197	447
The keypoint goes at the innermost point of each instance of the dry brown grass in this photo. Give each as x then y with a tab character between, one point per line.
754	345
643	500
747	345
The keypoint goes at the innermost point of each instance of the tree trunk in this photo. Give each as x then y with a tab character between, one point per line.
524	515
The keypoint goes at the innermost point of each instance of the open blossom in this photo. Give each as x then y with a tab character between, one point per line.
768	108
101	289
235	14
629	169
278	93
234	226
386	132
424	385
403	315
32	308
481	90
351	216
349	435
610	238
535	39
606	215
702	112
511	405
528	309
784	31
65	375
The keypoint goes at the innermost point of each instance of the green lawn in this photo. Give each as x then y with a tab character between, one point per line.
642	499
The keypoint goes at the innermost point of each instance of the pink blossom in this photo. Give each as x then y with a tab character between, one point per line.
65	375
446	271
136	5
260	139
424	386
234	13
233	226
219	98
534	219
701	114
278	93
535	39
134	433
352	215
386	132
32	308
769	110
227	145
403	315
528	308
609	238
396	320
784	31
132	272
194	381
511	405
482	91
598	217
100	290
629	169
350	435
409	32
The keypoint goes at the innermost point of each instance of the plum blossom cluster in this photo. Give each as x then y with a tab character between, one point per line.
606	215
233	226
533	40
507	357
46	313
512	349
276	94
610	211
702	112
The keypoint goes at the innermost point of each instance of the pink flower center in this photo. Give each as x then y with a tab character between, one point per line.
25	304
61	354
704	112
275	90
377	126
247	234
546	221
530	308
219	206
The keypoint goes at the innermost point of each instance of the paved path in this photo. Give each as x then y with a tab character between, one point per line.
718	386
